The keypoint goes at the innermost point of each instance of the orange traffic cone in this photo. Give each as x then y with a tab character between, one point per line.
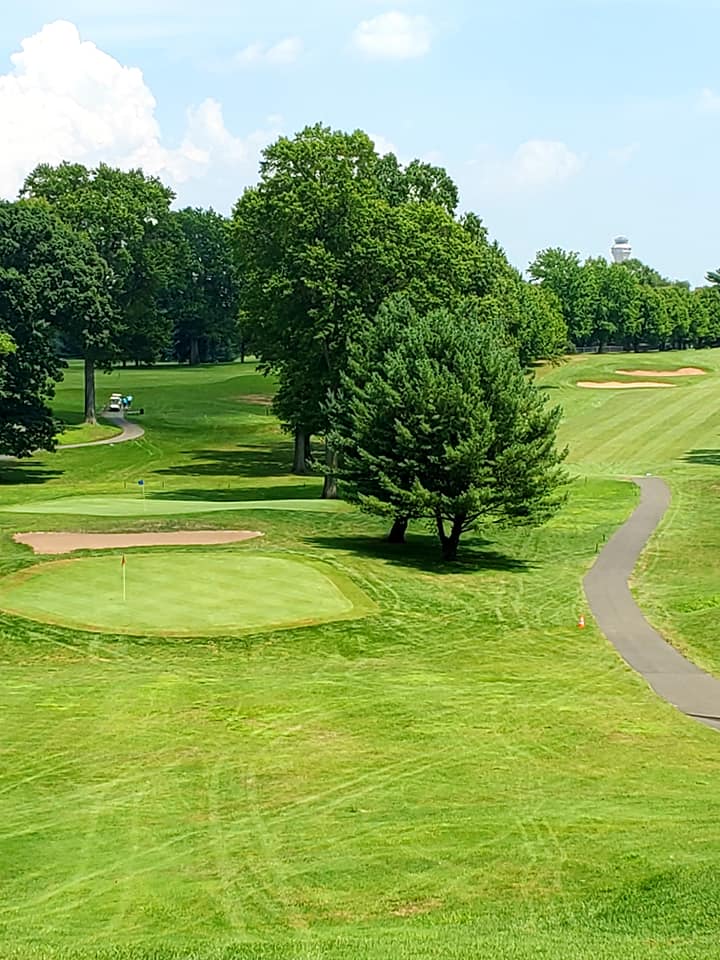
581	622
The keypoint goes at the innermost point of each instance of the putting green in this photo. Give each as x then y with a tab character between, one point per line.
182	593
137	507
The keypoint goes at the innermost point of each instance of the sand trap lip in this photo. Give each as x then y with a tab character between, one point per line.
617	385
56	543
261	399
682	372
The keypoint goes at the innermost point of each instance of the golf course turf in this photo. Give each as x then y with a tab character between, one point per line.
198	593
459	773
117	506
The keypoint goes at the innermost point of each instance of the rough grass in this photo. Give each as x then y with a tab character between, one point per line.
460	774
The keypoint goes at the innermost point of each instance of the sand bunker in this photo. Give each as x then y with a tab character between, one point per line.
55	543
261	399
682	372
617	385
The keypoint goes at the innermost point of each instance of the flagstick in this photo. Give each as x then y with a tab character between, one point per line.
124	586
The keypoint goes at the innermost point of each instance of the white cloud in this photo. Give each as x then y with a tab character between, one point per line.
394	36
382	144
535	164
709	101
65	99
285	51
621	156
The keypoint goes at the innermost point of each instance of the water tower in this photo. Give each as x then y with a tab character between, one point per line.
621	250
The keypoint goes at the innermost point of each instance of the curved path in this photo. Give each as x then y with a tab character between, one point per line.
130	431
670	675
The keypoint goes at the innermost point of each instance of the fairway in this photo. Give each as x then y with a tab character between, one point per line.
176	594
462	773
151	507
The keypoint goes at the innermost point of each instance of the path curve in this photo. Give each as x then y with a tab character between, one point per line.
130	431
671	675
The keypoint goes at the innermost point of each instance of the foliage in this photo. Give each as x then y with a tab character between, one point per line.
119	212
201	294
50	278
628	304
330	232
436	419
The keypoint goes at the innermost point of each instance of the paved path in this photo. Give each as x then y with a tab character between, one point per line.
670	675
130	431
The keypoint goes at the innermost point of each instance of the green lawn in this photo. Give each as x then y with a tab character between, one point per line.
178	593
79	432
459	773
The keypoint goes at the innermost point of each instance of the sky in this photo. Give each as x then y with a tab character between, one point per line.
563	122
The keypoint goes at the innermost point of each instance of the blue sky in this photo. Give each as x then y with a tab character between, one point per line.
564	123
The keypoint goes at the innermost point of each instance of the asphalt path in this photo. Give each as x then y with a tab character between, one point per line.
130	431
671	675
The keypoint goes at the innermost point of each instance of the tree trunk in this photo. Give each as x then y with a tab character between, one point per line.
399	528
242	351
449	542
194	352
300	455
330	484
90	390
308	450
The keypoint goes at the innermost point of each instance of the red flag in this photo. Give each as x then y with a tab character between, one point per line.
122	562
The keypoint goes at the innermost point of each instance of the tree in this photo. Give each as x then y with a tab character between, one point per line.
118	212
436	419
326	236
50	278
561	272
305	244
645	275
202	294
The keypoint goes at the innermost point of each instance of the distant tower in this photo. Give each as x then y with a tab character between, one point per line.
621	250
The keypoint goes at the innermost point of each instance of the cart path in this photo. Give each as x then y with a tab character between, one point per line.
130	431
671	675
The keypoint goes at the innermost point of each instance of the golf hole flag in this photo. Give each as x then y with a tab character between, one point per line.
123	564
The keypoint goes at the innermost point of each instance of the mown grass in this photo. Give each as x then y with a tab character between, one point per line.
461	773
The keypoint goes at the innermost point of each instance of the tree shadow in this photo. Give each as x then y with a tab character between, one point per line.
709	457
16	474
245	461
298	491
423	553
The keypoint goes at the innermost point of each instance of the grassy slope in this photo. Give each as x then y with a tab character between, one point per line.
86	432
675	434
460	774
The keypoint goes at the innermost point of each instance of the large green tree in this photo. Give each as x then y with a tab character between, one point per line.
119	212
202	295
50	278
331	231
436	419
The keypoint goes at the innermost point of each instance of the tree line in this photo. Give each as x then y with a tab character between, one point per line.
399	333
628	304
95	264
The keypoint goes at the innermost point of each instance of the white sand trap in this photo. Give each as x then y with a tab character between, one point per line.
682	372
617	385
55	543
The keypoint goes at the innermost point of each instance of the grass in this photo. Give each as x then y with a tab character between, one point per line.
460	773
179	593
138	506
79	432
